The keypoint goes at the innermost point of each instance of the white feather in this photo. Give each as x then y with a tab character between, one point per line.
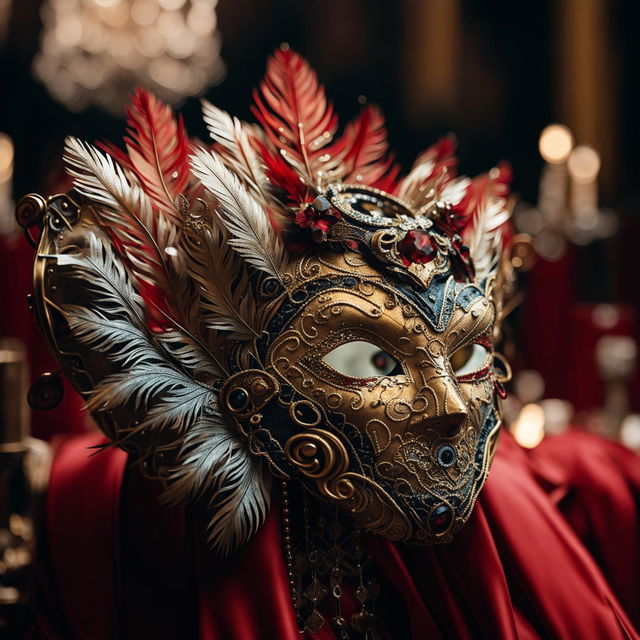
240	507
105	277
120	339
485	236
454	191
251	233
410	186
158	381
125	208
149	238
213	461
233	137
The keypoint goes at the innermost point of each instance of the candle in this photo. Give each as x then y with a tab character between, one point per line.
556	142
584	166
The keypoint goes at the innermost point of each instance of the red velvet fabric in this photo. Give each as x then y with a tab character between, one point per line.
82	515
546	330
595	483
516	571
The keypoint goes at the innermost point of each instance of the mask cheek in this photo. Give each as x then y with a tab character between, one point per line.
478	394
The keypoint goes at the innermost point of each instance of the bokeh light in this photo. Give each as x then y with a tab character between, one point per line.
584	164
528	429
98	51
556	142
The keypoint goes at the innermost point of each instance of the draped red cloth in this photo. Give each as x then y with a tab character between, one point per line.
540	557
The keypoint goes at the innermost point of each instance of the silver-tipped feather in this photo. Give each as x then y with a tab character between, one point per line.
233	136
158	380
213	460
149	240
250	231
125	209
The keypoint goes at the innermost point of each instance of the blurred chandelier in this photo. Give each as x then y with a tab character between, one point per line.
97	51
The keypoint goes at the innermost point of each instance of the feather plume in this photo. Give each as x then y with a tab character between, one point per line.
389	180
283	177
155	367
125	209
212	461
124	342
156	379
454	191
364	148
158	151
158	156
148	241
240	507
235	147
487	214
104	277
250	232
430	173
142	384
485	240
226	299
296	116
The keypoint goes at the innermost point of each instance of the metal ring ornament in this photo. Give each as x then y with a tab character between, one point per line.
503	371
46	392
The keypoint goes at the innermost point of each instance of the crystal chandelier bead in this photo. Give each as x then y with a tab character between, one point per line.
316	591
314	622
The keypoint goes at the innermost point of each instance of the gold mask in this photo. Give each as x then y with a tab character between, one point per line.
285	306
390	384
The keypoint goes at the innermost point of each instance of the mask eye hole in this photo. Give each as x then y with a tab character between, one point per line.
468	359
360	359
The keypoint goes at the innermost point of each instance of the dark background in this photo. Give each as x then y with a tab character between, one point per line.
506	84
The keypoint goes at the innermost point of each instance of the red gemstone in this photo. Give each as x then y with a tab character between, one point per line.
440	519
418	247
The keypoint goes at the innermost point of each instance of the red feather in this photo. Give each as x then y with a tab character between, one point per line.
494	184
296	116
283	176
157	154
364	145
442	153
389	179
432	170
158	150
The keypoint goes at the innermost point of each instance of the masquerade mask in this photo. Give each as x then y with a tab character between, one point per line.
282	304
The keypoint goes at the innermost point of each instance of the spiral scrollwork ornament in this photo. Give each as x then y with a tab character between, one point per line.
30	210
46	392
321	456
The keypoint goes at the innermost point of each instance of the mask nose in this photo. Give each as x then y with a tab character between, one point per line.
450	408
451	422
